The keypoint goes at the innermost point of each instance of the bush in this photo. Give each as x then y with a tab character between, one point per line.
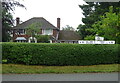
43	38
91	37
59	54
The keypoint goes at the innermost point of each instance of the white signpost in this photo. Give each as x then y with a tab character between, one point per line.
98	40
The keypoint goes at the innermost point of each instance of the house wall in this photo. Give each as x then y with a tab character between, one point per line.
45	32
40	31
55	32
15	36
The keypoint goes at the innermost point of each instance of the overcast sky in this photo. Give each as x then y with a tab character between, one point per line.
67	10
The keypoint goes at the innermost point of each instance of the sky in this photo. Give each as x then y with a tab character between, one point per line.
68	10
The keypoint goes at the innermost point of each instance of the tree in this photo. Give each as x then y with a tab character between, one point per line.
33	29
108	26
81	30
68	28
92	12
89	19
7	18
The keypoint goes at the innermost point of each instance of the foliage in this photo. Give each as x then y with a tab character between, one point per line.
33	29
107	26
43	38
68	28
91	37
59	54
6	25
82	30
7	18
92	12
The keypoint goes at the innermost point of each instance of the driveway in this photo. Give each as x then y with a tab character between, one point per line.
61	77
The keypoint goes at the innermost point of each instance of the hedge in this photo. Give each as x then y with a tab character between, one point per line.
59	54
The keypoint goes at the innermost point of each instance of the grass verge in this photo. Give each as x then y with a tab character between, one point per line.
31	69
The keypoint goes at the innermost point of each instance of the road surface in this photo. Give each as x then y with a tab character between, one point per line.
61	77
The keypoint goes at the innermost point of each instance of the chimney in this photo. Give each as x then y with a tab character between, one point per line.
17	21
58	23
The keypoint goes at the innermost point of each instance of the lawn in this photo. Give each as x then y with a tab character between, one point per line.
32	69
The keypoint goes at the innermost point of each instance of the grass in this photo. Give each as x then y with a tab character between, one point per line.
28	69
0	68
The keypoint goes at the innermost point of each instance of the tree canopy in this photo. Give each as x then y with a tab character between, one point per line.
100	18
68	28
33	29
7	18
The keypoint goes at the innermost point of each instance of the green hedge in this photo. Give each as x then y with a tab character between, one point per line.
59	54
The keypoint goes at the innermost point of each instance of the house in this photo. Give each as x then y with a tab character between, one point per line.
66	36
46	28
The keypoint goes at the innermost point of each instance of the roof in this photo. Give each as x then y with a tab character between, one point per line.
20	38
44	23
68	35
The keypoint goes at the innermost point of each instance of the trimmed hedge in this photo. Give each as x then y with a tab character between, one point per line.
59	54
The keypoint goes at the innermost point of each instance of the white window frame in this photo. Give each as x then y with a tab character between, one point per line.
23	30
43	32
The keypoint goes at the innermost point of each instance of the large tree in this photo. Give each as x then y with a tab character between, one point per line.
92	12
7	18
108	26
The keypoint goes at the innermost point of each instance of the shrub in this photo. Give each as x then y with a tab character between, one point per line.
43	38
91	37
59	54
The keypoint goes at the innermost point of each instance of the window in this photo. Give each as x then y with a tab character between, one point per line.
47	32
21	31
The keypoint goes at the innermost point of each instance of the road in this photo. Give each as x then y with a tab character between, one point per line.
61	77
